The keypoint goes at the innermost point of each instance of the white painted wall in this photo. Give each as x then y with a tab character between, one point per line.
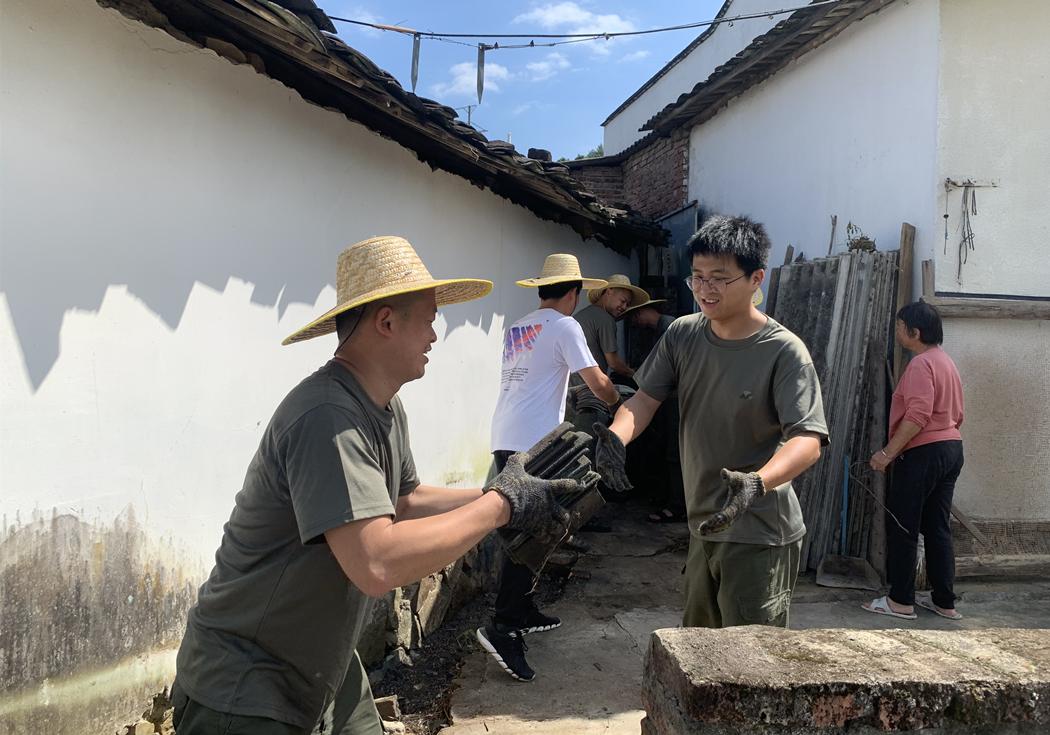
994	113
867	127
846	130
724	43
166	218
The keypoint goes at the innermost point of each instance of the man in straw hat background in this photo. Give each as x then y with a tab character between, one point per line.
540	351
751	421
332	513
653	458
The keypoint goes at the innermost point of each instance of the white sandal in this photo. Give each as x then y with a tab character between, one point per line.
926	602
881	606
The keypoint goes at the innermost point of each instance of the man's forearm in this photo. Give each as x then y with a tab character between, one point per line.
379	555
796	456
618	365
427	500
634	416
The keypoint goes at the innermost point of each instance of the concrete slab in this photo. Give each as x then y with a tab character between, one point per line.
757	680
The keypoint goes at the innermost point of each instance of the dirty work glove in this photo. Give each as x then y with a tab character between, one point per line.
610	459
533	508
744	488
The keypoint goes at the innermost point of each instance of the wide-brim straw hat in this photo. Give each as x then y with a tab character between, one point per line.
618	280
379	268
560	268
650	302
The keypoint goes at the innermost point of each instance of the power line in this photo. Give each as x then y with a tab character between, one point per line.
576	37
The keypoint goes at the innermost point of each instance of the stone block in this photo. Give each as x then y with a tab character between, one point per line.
769	681
388	707
372	644
432	602
404	630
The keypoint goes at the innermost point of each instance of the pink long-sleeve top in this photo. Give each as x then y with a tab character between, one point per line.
930	396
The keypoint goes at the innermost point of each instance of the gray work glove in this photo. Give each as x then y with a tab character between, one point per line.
743	488
610	459
533	507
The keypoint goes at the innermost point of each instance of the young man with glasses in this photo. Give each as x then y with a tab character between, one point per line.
751	421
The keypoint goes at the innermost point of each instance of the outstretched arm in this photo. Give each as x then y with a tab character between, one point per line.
427	500
378	555
634	416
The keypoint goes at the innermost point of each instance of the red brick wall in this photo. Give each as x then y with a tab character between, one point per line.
606	182
656	178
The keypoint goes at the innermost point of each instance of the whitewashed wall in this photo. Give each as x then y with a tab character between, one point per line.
166	218
993	118
724	43
846	130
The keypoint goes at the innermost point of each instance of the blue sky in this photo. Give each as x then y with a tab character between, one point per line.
553	98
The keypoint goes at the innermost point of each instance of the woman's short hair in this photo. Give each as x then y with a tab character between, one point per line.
926	319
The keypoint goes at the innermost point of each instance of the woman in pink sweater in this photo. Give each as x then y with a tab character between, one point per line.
926	450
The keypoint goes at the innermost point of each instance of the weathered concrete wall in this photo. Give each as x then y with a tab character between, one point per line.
166	218
757	680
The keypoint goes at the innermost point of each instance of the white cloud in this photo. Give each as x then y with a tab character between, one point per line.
523	108
571	18
359	12
464	81
635	56
555	15
553	63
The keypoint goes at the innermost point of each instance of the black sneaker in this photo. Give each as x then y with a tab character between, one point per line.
537	622
508	648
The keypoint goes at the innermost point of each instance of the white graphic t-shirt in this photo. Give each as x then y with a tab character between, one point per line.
539	352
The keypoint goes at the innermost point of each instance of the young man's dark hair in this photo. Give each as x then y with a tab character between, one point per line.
925	318
745	240
557	290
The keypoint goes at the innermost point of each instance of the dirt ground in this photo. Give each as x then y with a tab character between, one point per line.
425	688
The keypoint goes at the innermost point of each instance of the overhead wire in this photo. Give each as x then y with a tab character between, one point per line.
574	37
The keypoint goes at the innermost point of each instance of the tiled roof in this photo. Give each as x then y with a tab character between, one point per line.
796	35
294	42
670	64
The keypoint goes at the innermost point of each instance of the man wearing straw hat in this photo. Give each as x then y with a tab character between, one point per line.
607	304
752	420
332	514
654	456
540	351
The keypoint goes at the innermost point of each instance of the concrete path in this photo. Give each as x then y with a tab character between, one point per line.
589	671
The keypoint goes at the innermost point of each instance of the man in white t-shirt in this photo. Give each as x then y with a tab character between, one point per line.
540	351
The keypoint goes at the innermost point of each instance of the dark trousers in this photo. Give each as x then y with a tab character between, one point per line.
920	497
514	599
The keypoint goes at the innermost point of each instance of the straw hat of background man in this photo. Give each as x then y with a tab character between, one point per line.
618	280
379	268
561	268
654	303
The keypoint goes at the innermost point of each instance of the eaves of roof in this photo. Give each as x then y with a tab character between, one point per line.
793	37
293	41
669	65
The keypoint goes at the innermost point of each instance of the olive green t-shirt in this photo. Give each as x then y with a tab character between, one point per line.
277	622
599	328
740	400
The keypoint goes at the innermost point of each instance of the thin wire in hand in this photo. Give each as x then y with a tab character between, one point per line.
872	493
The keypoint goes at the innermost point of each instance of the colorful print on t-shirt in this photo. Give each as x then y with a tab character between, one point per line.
519	339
